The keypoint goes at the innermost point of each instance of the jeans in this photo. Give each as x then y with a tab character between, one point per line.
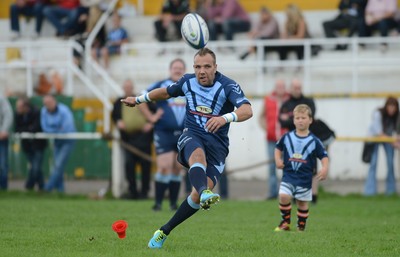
370	184
62	150
228	27
56	14
35	175
273	179
29	11
3	164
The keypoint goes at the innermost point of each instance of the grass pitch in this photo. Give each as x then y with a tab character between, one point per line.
53	225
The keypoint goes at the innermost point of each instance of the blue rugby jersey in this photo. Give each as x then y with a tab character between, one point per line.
299	157
174	109
206	102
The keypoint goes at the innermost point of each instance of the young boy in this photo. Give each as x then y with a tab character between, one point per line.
296	154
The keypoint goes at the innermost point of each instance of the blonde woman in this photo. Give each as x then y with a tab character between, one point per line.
295	28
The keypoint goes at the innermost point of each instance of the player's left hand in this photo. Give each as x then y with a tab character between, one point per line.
214	124
129	101
322	174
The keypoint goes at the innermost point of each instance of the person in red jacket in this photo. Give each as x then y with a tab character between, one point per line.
270	123
62	15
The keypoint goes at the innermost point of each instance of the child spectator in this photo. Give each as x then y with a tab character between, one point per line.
296	154
115	38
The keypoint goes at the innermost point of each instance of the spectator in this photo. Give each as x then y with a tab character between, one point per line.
6	120
379	14
28	8
227	17
115	39
270	123
57	118
167	130
317	127
383	124
27	119
266	28
173	12
63	15
96	9
296	153
296	98
295	28
136	131
351	15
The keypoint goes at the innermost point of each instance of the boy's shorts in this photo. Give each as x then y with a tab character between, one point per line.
297	192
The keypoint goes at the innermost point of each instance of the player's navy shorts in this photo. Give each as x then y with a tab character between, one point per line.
215	153
166	140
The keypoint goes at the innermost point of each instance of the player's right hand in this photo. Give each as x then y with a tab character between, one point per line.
129	101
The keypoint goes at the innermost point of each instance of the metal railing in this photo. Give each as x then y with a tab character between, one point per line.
352	58
31	59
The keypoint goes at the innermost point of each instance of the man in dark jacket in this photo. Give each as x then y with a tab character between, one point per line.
27	119
296	98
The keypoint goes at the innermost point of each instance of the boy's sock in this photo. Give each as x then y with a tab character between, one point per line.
174	186
285	212
198	177
185	210
302	216
161	184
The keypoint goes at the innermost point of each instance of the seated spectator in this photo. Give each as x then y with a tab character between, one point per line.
266	28
351	14
28	8
379	14
295	28
63	15
227	17
115	38
27	119
96	9
173	12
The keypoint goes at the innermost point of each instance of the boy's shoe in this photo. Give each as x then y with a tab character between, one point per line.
301	226
284	226
157	241
208	198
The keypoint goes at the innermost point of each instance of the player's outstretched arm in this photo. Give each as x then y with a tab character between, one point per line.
155	95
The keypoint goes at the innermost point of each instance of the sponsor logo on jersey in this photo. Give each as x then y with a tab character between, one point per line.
203	109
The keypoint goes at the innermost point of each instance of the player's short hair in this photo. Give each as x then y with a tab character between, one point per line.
204	51
303	108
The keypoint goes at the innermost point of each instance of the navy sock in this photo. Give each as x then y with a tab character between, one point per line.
174	186
160	190
198	177
185	211
161	184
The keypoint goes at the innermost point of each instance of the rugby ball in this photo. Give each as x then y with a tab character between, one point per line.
194	31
